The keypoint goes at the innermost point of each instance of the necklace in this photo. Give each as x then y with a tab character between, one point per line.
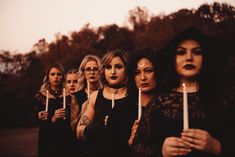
116	90
55	93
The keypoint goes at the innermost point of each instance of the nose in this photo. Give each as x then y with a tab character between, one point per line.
189	56
113	70
92	71
143	77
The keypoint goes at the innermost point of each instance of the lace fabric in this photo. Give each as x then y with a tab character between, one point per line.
172	105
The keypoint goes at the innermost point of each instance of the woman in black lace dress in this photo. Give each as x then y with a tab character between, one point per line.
190	60
144	73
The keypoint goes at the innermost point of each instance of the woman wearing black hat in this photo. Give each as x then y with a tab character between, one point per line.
189	60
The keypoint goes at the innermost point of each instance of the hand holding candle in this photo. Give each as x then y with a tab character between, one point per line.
139	104
185	107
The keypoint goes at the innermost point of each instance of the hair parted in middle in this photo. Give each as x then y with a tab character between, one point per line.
124	56
81	70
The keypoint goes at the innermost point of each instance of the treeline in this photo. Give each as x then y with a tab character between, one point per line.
21	74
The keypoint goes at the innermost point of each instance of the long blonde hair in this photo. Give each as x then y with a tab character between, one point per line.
81	74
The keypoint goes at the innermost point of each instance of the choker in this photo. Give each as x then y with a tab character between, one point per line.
115	91
55	93
117	86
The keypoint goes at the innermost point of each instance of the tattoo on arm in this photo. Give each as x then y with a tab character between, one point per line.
84	121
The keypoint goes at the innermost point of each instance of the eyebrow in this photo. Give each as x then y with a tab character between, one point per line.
198	47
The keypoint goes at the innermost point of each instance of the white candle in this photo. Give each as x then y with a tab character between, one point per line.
185	107
47	100
64	99
88	89
139	105
113	103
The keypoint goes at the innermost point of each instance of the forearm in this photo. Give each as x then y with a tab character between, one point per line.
82	124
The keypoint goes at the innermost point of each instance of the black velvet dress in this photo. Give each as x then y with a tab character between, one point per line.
81	97
55	139
112	139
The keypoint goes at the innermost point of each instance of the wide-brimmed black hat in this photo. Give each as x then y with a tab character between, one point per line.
188	33
212	46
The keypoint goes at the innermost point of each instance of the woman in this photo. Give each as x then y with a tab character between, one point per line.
55	136
109	137
144	73
87	75
72	81
190	61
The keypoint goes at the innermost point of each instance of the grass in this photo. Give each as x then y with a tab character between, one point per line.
20	142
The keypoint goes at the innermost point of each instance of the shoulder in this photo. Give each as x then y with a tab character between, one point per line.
39	94
93	97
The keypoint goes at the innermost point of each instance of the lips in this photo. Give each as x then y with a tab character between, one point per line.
92	77
113	77
144	84
72	88
189	66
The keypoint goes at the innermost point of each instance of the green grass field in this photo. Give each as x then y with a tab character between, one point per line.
18	142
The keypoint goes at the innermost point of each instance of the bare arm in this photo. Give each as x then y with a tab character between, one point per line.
87	117
74	112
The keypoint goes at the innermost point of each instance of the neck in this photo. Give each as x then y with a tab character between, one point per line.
192	86
93	86
54	88
146	97
116	90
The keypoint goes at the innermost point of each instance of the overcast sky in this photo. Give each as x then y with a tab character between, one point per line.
24	22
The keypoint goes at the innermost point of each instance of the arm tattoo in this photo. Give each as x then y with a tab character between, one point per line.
84	121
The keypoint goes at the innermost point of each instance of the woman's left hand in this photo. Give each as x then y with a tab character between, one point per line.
201	140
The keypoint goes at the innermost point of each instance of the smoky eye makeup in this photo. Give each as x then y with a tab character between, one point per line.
108	66
197	51
180	51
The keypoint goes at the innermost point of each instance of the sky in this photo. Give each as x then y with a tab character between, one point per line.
24	22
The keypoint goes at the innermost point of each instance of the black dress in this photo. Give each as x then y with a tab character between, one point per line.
81	97
167	121
143	142
83	147
112	139
55	139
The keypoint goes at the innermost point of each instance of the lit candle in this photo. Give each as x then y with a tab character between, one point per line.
88	89
139	105
64	99
185	107
113	103
47	100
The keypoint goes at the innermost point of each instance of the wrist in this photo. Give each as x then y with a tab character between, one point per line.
53	119
216	149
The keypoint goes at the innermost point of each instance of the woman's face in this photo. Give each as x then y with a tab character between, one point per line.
55	77
91	71
145	75
115	72
188	59
72	82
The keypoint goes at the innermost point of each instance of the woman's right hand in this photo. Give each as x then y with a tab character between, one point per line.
42	115
133	131
174	146
59	113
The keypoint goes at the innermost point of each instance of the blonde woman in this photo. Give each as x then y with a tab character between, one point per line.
109	137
